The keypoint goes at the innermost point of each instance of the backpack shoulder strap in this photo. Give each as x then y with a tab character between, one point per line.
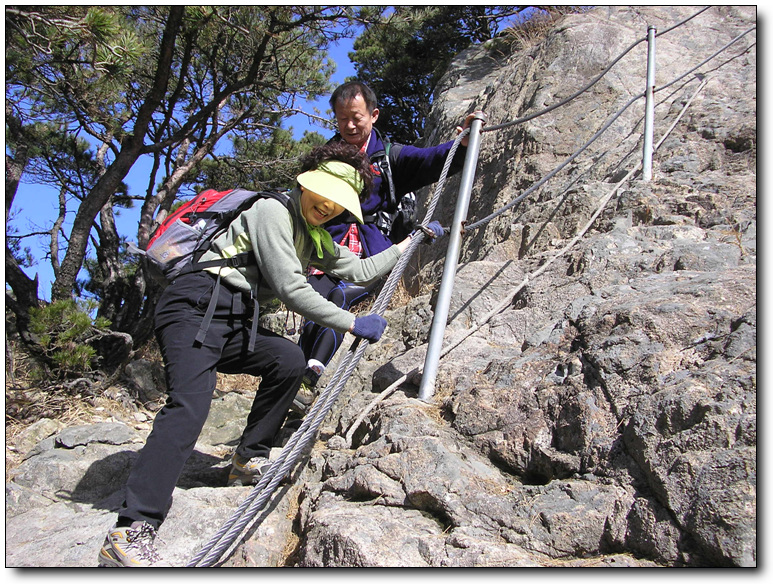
387	158
241	259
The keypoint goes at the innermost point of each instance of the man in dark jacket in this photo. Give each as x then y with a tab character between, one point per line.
356	111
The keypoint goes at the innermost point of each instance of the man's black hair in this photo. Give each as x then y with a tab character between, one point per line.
352	89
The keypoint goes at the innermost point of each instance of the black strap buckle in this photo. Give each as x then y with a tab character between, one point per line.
238	261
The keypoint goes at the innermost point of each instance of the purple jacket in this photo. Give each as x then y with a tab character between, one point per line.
414	168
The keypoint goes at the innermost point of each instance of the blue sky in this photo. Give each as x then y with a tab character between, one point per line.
36	206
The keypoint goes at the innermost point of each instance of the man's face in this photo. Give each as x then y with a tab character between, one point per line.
355	121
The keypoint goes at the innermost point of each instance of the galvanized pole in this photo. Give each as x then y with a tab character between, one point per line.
649	112
427	388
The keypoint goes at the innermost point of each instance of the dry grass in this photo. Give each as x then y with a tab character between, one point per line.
401	296
237	382
69	402
532	31
25	406
290	551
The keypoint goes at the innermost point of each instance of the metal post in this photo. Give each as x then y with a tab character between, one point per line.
427	388
649	112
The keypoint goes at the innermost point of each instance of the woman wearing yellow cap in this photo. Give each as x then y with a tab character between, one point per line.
285	240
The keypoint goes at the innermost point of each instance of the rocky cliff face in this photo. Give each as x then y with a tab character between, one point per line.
605	417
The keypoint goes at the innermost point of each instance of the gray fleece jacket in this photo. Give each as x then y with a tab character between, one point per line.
284	249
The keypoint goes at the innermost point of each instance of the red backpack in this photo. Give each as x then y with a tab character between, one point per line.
177	244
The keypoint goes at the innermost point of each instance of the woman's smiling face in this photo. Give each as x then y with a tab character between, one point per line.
316	209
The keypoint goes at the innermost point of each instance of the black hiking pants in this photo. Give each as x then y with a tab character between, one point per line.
191	370
320	342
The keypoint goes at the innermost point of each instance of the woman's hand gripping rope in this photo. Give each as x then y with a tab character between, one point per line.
433	231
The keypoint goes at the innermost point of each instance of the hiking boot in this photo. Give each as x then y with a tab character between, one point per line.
304	399
247	471
129	547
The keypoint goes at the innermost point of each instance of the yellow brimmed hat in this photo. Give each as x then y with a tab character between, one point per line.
337	181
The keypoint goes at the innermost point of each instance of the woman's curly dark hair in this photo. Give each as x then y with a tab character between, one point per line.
344	152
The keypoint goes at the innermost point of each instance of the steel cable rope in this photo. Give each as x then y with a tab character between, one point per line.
555	171
681	22
615	116
589	85
702	63
508	300
281	467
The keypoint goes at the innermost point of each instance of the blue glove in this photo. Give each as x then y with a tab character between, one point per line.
433	231
369	327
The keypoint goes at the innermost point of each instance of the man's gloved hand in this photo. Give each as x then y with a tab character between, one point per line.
433	231
370	327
